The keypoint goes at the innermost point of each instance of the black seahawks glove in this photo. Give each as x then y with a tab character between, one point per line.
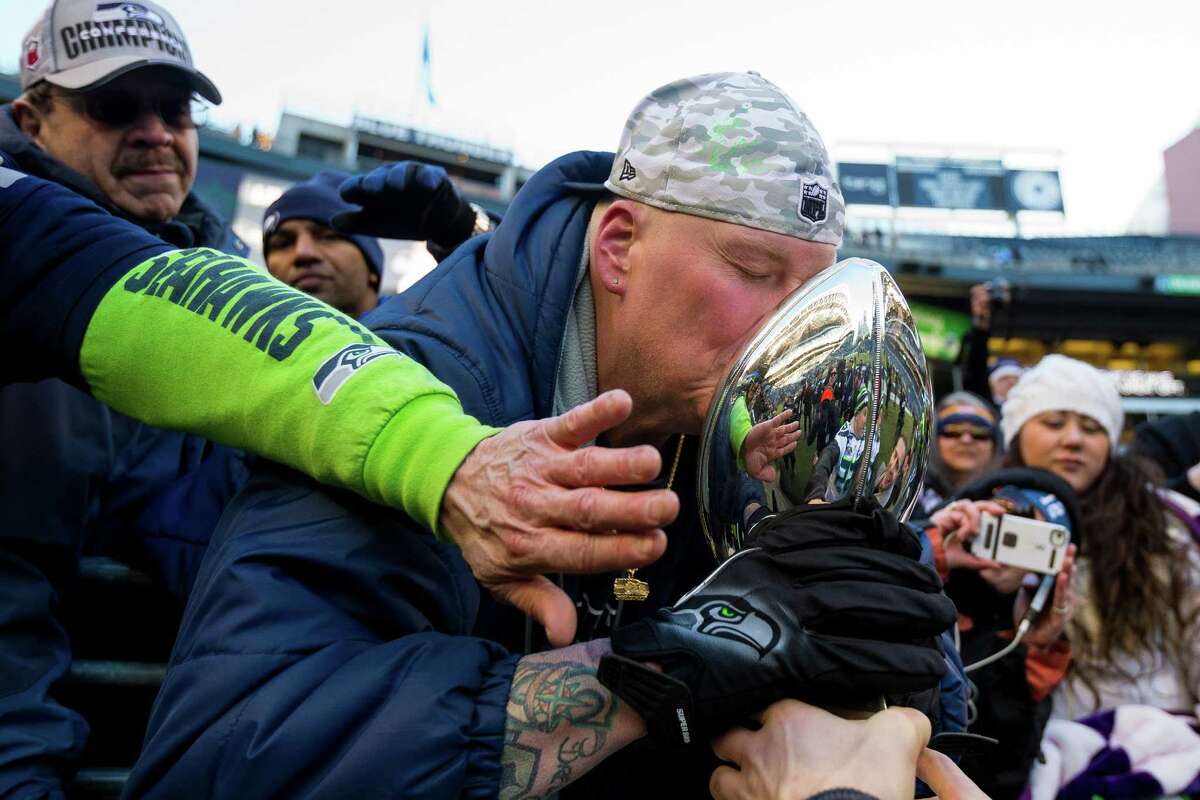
827	604
407	200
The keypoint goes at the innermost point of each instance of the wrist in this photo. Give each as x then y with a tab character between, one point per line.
661	702
937	544
414	457
550	743
457	228
630	725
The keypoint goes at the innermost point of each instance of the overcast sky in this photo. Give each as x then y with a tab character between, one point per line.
1105	85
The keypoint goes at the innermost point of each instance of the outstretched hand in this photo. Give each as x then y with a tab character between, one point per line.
406	200
768	441
531	500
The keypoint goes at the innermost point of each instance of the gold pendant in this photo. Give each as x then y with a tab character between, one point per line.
630	588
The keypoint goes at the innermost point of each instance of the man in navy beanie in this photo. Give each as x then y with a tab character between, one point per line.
303	249
317	239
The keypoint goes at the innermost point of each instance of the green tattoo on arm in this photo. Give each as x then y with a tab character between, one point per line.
561	721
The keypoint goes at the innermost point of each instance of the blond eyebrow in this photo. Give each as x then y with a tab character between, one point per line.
741	248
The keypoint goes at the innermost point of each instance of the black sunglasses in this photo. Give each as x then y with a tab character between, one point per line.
955	431
117	109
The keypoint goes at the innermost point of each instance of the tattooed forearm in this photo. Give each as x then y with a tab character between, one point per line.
561	721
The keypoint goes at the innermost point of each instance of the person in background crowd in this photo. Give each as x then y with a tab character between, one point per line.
1002	377
109	107
305	245
113	115
1011	698
977	378
1135	637
304	250
966	440
598	268
1173	443
835	465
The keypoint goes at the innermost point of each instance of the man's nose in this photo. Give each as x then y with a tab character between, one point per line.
149	130
306	252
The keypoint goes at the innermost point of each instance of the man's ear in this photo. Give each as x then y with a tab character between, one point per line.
28	119
373	280
615	235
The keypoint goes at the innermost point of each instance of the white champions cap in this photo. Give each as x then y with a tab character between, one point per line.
81	44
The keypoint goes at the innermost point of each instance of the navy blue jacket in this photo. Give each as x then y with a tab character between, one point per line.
331	647
75	477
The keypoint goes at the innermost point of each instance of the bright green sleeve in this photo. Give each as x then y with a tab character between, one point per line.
739	428
205	342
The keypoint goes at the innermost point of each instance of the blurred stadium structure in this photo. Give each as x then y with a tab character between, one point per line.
939	220
942	222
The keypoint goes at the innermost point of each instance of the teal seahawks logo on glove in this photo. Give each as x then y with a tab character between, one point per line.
732	618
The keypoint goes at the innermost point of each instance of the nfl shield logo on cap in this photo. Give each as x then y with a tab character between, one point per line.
814	201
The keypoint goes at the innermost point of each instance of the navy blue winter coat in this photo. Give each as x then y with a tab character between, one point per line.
332	648
76	479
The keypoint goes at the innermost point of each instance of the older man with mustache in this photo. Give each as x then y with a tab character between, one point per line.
109	109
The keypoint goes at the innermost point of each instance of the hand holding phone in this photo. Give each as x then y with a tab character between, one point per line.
1049	626
1021	542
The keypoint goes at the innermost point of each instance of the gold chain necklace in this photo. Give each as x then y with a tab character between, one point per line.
628	587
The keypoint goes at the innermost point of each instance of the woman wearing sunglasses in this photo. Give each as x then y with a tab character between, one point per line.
965	446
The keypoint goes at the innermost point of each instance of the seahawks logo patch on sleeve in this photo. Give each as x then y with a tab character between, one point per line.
341	366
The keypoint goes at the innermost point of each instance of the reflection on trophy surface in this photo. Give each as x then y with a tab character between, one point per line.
830	400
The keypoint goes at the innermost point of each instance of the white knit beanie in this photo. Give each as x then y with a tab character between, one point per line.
1059	383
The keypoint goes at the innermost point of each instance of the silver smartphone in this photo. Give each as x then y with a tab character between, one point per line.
1021	542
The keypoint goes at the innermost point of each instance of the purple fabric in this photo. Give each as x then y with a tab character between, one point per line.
1102	722
1130	751
1191	522
1128	784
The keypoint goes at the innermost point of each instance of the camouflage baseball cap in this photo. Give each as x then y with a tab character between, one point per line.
730	146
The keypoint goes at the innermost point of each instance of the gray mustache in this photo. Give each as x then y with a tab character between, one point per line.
140	163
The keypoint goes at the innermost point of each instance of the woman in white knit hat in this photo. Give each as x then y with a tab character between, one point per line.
1135	635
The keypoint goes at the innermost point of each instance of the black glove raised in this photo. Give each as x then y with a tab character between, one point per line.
407	200
827	604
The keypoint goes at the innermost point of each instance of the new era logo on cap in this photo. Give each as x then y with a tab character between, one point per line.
79	44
